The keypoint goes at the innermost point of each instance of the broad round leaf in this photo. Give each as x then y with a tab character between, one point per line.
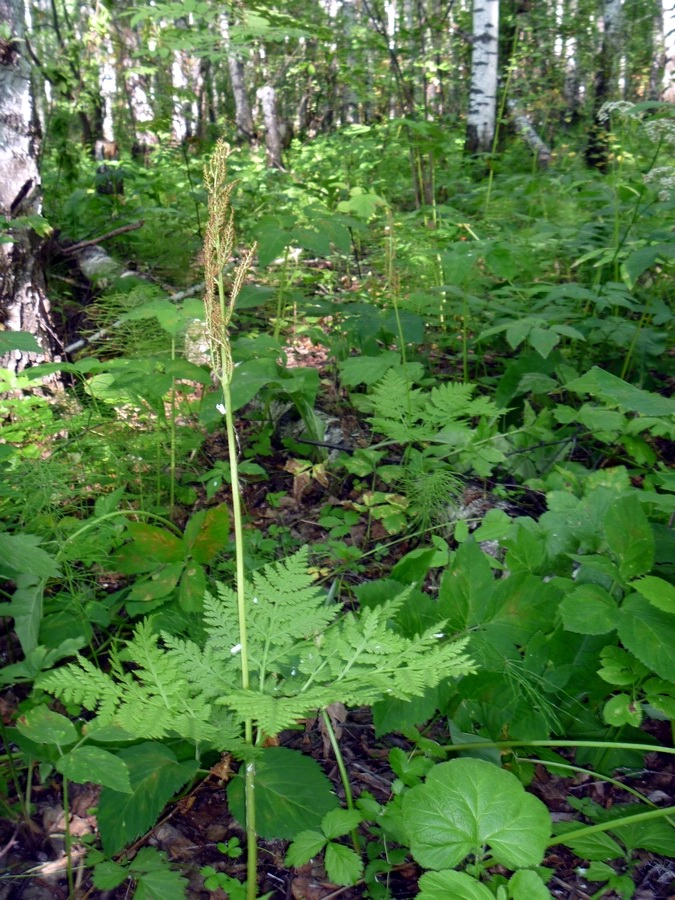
292	794
466	804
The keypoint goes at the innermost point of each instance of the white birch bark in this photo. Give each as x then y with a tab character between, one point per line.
23	301
480	126
268	101
668	13
243	118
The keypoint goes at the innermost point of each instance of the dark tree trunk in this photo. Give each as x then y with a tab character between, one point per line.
23	300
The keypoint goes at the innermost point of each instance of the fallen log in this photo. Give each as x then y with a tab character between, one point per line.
527	131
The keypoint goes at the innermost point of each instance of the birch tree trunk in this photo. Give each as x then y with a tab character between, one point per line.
243	117
480	126
668	18
23	300
268	100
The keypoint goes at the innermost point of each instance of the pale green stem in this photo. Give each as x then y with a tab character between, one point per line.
172	435
568	767
342	769
603	745
237	521
611	826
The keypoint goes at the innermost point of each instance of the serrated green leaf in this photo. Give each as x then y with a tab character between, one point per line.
543	340
156	543
343	865
26	609
657	836
108	875
466	804
155	776
305	845
192	588
527	885
338	822
620	668
21	553
613	390
596	847
589	609
525	550
84	764
649	633
448	885
44	726
366	370
660	593
291	793
622	710
160	584
155	879
630	536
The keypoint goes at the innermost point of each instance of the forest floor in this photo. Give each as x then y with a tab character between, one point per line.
192	829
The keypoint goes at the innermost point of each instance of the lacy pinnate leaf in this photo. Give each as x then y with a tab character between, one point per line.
303	655
285	608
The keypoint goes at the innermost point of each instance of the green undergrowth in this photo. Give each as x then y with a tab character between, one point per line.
510	346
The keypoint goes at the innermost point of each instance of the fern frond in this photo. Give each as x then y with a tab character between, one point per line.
220	617
448	402
85	685
206	670
397	409
286	606
274	714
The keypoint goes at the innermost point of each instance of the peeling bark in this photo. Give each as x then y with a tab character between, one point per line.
24	305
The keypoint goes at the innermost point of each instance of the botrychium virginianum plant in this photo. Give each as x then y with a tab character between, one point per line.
276	648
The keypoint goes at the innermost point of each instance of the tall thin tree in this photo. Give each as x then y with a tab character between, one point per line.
481	120
23	299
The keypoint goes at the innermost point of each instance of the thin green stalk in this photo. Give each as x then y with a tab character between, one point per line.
219	306
588	830
342	769
281	302
172	435
602	745
579	770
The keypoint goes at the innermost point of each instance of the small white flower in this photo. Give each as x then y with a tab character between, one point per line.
221	408
621	108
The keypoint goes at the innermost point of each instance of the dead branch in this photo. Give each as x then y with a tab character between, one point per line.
104	237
